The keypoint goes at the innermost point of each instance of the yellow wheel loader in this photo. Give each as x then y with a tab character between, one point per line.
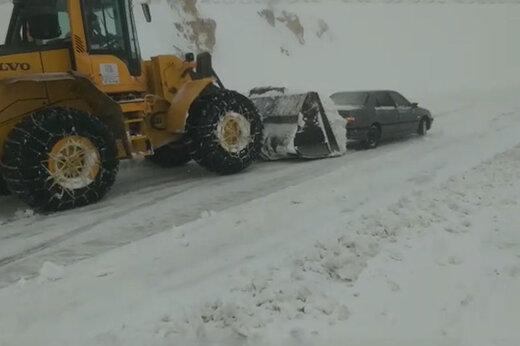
76	97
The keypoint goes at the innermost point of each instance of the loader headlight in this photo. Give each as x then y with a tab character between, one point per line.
351	120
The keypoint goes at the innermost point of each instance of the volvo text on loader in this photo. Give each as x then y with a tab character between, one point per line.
76	97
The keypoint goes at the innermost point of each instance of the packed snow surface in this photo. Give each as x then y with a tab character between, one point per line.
415	243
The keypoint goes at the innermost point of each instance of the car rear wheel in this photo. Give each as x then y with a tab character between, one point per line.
373	137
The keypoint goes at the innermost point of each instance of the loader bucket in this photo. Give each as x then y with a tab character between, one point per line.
297	125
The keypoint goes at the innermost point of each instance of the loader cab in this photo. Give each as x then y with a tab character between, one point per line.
110	30
94	37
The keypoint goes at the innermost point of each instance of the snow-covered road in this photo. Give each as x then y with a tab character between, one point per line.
234	258
147	200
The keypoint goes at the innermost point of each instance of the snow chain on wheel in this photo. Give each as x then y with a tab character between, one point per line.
60	158
225	131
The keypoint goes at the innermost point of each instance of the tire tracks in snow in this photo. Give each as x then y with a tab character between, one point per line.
217	193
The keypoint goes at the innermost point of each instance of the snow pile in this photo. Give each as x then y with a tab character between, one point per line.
51	272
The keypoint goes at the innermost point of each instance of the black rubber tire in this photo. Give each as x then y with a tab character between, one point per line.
27	149
204	116
423	127
373	137
172	155
4	191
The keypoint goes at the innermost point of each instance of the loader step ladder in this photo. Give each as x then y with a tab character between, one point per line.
139	143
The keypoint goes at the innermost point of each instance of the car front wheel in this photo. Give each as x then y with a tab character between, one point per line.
423	127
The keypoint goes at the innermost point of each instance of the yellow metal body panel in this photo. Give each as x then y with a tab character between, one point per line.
132	107
168	75
180	105
124	82
20	64
56	60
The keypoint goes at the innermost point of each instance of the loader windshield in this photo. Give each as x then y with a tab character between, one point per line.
110	29
104	25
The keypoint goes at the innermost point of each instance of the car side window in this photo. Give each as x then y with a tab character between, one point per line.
370	101
383	99
400	100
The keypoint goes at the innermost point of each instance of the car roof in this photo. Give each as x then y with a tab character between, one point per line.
363	91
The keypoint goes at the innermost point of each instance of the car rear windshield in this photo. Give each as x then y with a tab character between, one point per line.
349	98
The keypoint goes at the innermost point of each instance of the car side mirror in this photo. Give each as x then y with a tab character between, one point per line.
146	12
415	105
44	26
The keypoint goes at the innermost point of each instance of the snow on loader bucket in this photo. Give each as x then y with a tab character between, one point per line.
298	125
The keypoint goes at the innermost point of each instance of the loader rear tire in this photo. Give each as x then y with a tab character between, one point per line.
172	155
60	158
225	131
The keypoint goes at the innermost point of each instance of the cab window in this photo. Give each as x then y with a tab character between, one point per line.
38	25
384	100
8	8
104	26
400	100
110	30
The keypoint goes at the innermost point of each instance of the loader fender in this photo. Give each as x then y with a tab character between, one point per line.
58	89
181	103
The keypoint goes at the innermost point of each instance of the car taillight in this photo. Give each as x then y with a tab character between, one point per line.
351	120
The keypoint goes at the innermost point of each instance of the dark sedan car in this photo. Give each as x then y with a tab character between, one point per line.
375	115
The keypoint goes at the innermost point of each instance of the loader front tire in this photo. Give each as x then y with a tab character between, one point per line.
3	187
59	158
225	131
172	155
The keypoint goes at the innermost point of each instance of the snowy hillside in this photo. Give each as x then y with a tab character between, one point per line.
421	47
